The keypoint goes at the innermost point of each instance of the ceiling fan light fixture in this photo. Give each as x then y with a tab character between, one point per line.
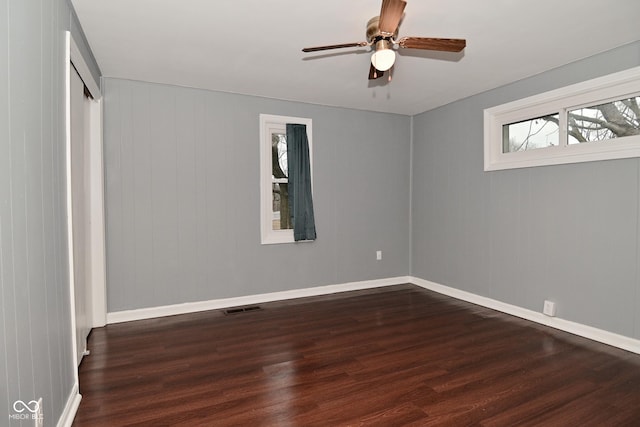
381	36
384	57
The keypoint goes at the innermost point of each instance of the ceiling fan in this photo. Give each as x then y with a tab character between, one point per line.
381	34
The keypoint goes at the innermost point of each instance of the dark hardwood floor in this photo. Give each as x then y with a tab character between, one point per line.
391	356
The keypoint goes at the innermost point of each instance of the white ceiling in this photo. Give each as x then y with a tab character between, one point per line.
254	46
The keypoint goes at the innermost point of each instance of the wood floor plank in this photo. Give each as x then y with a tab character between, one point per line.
399	355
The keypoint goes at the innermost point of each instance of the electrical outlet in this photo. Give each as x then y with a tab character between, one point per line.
549	308
378	255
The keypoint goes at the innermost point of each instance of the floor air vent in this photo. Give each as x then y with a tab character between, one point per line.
238	310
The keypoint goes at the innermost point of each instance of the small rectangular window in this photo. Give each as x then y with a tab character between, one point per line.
597	119
606	121
276	225
531	134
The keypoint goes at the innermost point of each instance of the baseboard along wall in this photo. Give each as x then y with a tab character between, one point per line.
217	304
71	407
606	337
585	331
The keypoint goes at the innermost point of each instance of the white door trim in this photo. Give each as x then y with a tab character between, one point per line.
97	223
96	231
75	56
72	298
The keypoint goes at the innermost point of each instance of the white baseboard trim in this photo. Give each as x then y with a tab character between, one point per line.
217	304
606	337
70	409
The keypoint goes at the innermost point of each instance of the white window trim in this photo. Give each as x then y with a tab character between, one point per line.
591	92
267	123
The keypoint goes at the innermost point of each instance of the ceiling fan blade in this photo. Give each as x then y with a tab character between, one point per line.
445	45
334	46
375	73
390	15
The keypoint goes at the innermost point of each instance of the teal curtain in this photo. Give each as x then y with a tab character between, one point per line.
299	169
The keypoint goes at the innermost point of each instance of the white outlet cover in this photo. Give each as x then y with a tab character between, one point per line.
549	308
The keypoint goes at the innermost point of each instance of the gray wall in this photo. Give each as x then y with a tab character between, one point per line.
567	233
35	329
182	197
182	200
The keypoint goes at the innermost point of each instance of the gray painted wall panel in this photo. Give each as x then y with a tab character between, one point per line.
567	233
182	197
35	330
7	358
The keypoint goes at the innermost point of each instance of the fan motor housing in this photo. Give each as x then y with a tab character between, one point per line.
373	31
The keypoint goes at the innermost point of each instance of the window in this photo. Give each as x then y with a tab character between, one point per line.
530	134
595	120
276	225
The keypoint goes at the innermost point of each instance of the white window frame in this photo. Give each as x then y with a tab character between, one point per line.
601	90
268	124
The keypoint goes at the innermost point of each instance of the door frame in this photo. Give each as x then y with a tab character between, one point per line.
96	231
